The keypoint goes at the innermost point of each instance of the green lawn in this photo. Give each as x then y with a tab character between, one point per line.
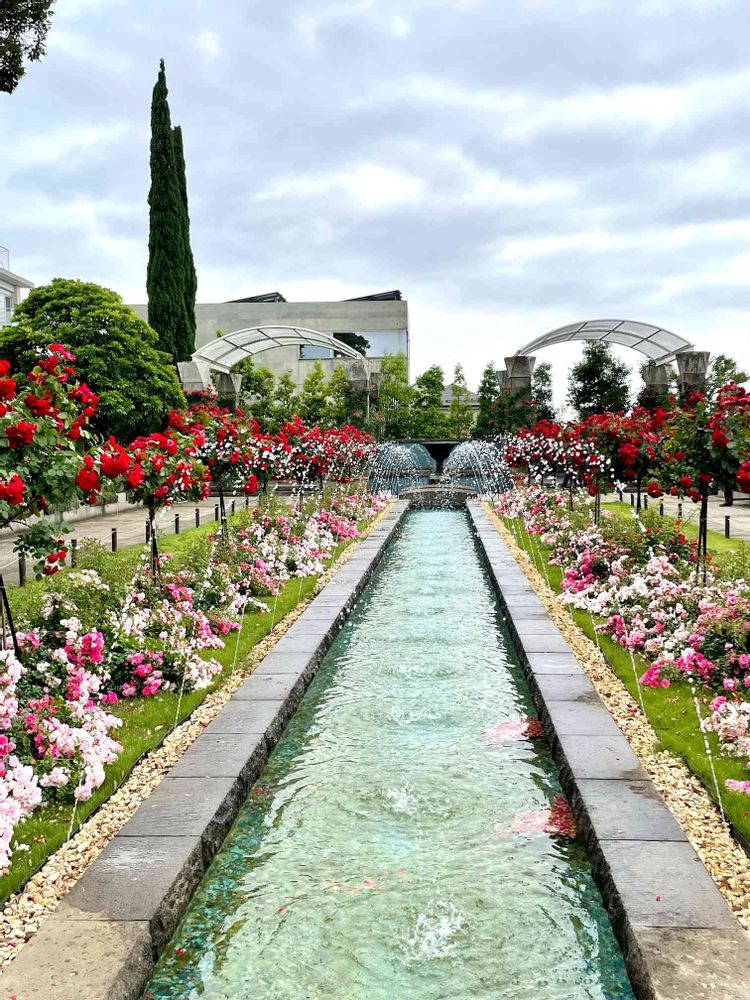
670	711
146	721
717	543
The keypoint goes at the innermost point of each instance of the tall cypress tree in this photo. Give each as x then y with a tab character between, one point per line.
187	345
165	278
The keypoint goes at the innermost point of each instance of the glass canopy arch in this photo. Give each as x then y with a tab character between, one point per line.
225	352
660	346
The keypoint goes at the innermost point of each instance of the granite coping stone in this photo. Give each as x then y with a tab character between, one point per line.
659	884
246	718
234	755
535	641
692	963
679	938
139	878
553	663
294	662
598	757
189	807
113	962
622	809
566	687
176	831
270	687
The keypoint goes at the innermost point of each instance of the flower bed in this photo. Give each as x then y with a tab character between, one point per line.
686	640
99	641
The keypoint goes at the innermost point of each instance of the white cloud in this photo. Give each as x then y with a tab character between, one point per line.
369	186
209	44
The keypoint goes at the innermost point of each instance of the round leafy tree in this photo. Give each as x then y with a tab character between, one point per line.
116	353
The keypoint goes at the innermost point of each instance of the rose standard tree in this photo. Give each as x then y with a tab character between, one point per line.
705	443
227	447
44	468
165	469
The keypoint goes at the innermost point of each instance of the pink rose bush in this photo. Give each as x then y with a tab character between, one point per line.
638	581
96	644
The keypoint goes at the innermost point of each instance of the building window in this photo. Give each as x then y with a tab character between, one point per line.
311	352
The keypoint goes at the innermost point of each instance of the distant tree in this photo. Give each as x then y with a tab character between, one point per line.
23	32
355	340
313	401
429	420
541	391
286	400
723	369
190	278
396	399
116	353
165	277
337	411
599	382
257	393
460	417
489	391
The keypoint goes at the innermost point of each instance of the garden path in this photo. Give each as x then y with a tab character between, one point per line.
738	513
130	525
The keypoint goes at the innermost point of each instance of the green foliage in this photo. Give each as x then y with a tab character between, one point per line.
257	393
286	400
489	391
541	391
395	400
338	405
599	382
460	416
167	249
116	353
429	420
721	370
313	400
190	278
23	31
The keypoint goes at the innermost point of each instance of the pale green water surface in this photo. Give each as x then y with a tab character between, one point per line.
373	860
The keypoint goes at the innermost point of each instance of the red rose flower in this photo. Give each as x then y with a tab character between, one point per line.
88	478
654	490
39	405
7	387
719	439
13	490
20	433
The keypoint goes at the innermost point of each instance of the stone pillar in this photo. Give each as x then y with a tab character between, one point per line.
356	374
228	386
692	367
502	380
520	368
194	376
656	378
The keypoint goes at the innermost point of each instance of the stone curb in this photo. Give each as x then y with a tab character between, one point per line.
103	940
679	939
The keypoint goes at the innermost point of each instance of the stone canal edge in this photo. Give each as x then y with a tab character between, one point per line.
103	939
679	938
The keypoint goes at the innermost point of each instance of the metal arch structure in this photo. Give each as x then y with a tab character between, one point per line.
225	352
660	346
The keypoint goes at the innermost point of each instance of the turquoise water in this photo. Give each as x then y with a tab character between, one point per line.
378	856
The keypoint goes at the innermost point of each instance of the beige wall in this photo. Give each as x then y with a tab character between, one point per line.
328	317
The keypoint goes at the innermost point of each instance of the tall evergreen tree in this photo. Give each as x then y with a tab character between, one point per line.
541	391
486	425
165	278
190	279
460	417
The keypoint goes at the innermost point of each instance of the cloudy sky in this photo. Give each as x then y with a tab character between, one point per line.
511	166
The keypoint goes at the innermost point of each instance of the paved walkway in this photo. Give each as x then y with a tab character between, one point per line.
738	513
130	525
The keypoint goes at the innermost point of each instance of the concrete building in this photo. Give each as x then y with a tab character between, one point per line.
13	288
377	324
